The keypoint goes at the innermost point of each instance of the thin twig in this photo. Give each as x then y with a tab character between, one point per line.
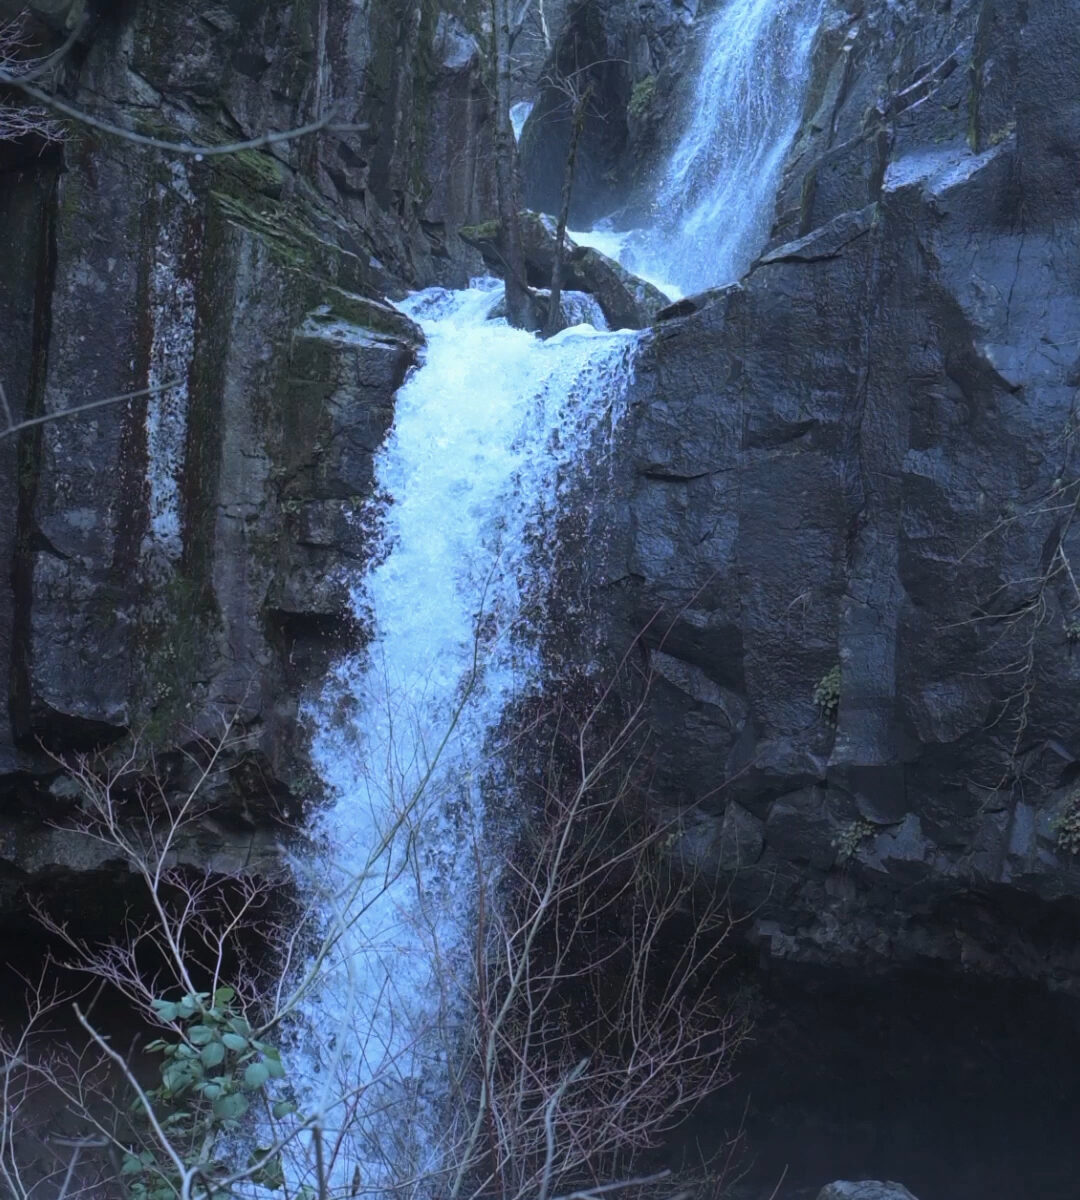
15	427
199	152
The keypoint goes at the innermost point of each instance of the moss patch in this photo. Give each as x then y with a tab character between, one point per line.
641	98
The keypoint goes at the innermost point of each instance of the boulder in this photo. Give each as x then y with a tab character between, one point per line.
627	301
864	1189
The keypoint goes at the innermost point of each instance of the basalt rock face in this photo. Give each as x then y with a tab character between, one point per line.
851	482
181	555
627	59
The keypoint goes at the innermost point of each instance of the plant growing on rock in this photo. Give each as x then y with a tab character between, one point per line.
850	837
827	693
1066	826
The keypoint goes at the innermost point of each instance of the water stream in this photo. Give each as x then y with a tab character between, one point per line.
485	436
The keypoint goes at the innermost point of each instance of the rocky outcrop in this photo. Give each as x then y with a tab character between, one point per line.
850	485
628	58
866	1189
627	301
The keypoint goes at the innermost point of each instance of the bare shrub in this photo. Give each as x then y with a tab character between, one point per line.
17	119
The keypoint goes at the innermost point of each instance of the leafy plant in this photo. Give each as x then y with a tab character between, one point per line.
1066	825
641	98
211	1073
850	837
827	693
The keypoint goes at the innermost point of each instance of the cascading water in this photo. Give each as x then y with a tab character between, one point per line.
484	434
714	201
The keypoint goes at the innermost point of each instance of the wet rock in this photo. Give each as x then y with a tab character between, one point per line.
627	301
850	463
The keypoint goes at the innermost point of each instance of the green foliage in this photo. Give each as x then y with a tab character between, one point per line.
212	1071
850	837
1066	825
827	693
641	98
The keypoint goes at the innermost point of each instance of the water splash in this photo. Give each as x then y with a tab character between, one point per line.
486	435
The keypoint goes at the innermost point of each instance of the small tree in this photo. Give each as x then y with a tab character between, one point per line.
520	306
20	120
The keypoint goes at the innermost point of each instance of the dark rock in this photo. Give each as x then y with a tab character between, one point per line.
854	459
866	1189
180	555
629	56
627	301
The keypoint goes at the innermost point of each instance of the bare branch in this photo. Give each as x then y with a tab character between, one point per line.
30	422
327	122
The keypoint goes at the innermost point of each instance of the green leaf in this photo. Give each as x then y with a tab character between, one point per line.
188	1007
224	994
213	1054
166	1010
211	1090
255	1075
275	1069
176	1078
283	1108
132	1165
239	1025
199	1035
270	1174
157	1044
234	1041
231	1107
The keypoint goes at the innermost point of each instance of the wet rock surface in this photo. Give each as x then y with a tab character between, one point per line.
859	466
627	301
866	1189
180	555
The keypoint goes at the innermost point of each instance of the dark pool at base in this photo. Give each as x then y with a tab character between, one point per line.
960	1088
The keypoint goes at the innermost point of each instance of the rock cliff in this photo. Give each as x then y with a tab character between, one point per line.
180	555
850	485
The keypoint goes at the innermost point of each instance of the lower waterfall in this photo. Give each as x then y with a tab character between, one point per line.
467	490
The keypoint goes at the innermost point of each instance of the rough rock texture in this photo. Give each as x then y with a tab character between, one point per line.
626	301
182	554
629	56
863	457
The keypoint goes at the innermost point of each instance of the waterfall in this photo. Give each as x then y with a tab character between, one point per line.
714	201
486	433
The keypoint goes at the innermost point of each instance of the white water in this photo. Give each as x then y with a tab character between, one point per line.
519	114
486	433
714	202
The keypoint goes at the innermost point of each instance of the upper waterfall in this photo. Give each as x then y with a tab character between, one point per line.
715	197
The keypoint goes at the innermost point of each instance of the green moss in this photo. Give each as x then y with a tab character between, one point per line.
486	231
641	98
253	170
173	642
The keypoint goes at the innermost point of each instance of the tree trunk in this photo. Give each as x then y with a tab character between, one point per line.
520	309
554	316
